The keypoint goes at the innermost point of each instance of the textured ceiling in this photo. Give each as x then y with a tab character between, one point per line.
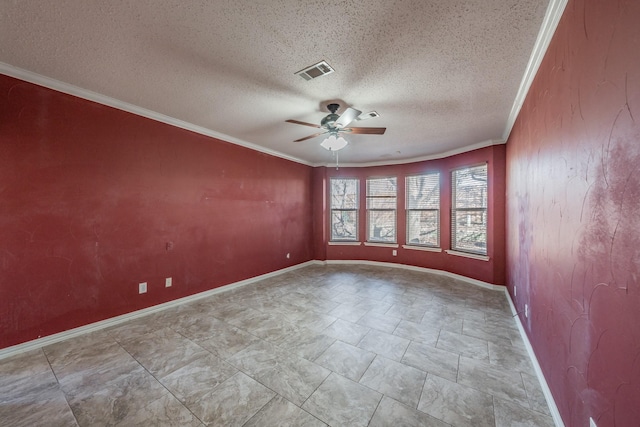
442	74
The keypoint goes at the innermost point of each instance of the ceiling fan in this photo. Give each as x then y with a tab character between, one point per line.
334	124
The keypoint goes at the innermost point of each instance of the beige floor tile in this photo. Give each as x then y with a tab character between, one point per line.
456	404
163	351
34	401
432	360
508	357
346	360
504	384
307	344
464	345
116	402
387	345
391	413
280	412
396	380
322	327
379	321
191	382
233	402
291	376
348	332
349	312
407	312
227	341
342	402
510	414
419	332
537	401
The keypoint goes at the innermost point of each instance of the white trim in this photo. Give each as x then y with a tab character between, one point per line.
69	89
469	280
422	248
381	245
48	82
339	243
466	148
92	327
41	342
548	28
467	255
553	408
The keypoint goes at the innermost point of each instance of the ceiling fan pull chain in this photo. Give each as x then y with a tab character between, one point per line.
337	165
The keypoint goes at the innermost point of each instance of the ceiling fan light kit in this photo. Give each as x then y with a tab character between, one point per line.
334	124
334	143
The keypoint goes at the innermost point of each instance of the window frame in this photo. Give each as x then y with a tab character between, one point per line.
373	210
408	209
356	210
483	211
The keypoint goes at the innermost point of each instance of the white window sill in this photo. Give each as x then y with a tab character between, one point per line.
468	255
345	243
381	245
422	248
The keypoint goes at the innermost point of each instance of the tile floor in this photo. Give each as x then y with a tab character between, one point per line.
323	345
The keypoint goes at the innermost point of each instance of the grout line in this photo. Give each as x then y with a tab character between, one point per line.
367	368
316	389
377	406
59	385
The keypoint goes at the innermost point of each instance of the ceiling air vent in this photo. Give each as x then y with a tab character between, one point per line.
316	70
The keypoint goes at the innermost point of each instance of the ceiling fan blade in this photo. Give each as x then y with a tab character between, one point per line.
349	115
298	122
366	131
309	137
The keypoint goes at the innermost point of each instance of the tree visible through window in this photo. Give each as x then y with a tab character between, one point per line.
423	209
469	210
381	209
344	209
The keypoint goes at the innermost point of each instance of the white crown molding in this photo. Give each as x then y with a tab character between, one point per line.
79	92
443	155
547	30
549	25
553	408
69	89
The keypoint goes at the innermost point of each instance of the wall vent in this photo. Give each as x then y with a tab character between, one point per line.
316	70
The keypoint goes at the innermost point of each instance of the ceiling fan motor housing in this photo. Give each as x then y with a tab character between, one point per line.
330	119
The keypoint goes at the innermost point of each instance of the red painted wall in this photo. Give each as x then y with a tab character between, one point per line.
492	271
573	213
94	200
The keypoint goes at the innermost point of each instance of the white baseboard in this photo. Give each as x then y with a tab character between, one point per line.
553	408
469	280
92	327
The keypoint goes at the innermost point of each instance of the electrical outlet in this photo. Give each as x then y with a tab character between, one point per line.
395	252
142	288
526	310
167	282
592	423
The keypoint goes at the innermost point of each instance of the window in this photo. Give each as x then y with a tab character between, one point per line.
423	209
381	209
469	210
344	209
